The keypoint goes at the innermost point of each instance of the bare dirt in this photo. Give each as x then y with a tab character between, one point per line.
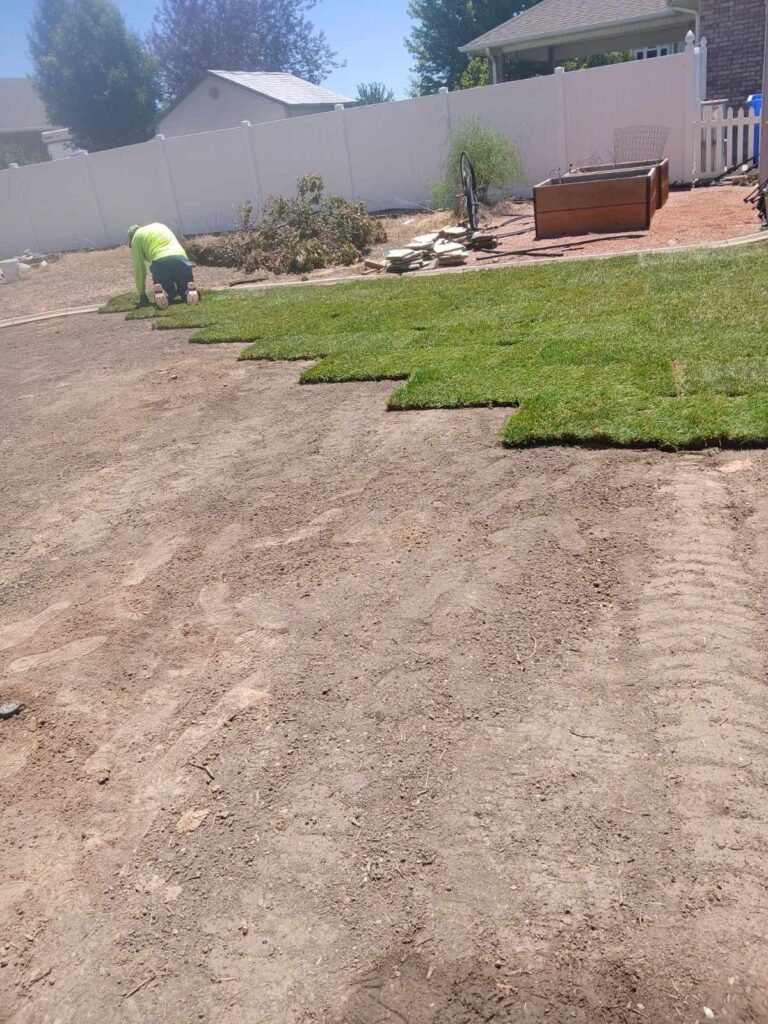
701	215
84	279
688	218
340	716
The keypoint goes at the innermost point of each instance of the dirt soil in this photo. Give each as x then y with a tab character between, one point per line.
699	215
340	716
86	278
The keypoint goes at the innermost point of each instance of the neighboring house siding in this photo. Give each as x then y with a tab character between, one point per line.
215	104
735	31
316	108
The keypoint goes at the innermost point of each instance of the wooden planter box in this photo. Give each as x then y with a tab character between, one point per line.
620	199
663	180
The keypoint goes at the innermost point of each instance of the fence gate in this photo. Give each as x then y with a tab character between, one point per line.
724	139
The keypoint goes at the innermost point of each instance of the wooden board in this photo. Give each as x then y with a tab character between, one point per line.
618	200
578	195
617	170
664	181
556	224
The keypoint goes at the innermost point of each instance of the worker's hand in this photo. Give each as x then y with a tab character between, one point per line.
143	301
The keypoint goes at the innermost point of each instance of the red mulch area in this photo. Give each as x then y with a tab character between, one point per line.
701	215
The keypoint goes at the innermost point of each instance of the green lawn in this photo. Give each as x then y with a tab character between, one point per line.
658	350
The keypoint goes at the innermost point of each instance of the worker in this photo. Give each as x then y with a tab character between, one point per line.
171	271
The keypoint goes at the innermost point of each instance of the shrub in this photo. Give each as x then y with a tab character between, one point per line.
495	159
16	153
295	235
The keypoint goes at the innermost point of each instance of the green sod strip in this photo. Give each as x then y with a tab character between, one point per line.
667	350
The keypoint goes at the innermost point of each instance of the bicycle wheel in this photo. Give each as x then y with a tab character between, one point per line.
469	187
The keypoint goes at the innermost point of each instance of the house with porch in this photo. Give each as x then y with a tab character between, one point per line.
554	31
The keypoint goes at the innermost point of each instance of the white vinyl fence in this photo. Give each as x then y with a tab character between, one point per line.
724	138
384	155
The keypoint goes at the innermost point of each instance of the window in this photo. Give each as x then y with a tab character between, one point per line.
647	52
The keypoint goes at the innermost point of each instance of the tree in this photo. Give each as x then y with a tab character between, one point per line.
16	153
190	37
599	60
373	92
442	26
476	73
93	74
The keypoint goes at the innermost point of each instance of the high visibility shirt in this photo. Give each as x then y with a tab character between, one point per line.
150	243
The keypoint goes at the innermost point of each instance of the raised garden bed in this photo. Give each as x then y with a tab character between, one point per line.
661	165
605	200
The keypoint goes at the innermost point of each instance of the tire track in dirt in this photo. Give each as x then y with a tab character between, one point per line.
701	638
603	841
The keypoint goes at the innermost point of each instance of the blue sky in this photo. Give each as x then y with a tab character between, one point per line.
371	44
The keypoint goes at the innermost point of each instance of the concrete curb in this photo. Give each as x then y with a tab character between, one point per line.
52	314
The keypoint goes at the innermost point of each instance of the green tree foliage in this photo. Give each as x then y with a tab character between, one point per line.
442	26
373	92
599	60
190	37
476	73
93	74
495	159
16	153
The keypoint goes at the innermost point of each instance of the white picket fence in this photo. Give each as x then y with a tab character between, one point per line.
724	139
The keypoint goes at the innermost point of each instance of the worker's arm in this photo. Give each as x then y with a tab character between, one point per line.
139	268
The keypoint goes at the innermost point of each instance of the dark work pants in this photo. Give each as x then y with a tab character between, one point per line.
174	274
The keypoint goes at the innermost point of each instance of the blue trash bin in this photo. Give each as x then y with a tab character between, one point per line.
756	102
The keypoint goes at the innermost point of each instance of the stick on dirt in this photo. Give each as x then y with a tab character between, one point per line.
140	986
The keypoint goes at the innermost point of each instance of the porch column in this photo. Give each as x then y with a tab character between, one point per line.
763	172
496	57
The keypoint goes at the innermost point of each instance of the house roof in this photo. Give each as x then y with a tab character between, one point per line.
556	18
21	109
284	88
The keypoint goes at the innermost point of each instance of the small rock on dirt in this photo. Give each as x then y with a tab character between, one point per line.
191	820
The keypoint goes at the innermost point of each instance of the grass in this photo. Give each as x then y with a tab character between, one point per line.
669	351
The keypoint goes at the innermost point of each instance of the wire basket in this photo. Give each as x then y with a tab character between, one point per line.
639	144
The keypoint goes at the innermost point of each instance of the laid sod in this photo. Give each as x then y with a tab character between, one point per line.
669	351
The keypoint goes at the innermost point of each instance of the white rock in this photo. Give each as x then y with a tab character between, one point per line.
10	270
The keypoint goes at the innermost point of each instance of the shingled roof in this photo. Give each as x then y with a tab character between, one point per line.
285	88
555	18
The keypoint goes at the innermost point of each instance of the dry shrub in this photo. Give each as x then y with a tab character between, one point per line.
295	235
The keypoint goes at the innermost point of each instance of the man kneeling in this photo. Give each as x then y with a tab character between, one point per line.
171	271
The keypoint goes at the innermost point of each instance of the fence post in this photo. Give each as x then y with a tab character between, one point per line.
703	67
96	200
161	140
340	108
246	125
30	219
763	164
692	109
561	120
443	91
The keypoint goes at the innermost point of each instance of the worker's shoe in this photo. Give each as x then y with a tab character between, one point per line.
161	297
193	295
